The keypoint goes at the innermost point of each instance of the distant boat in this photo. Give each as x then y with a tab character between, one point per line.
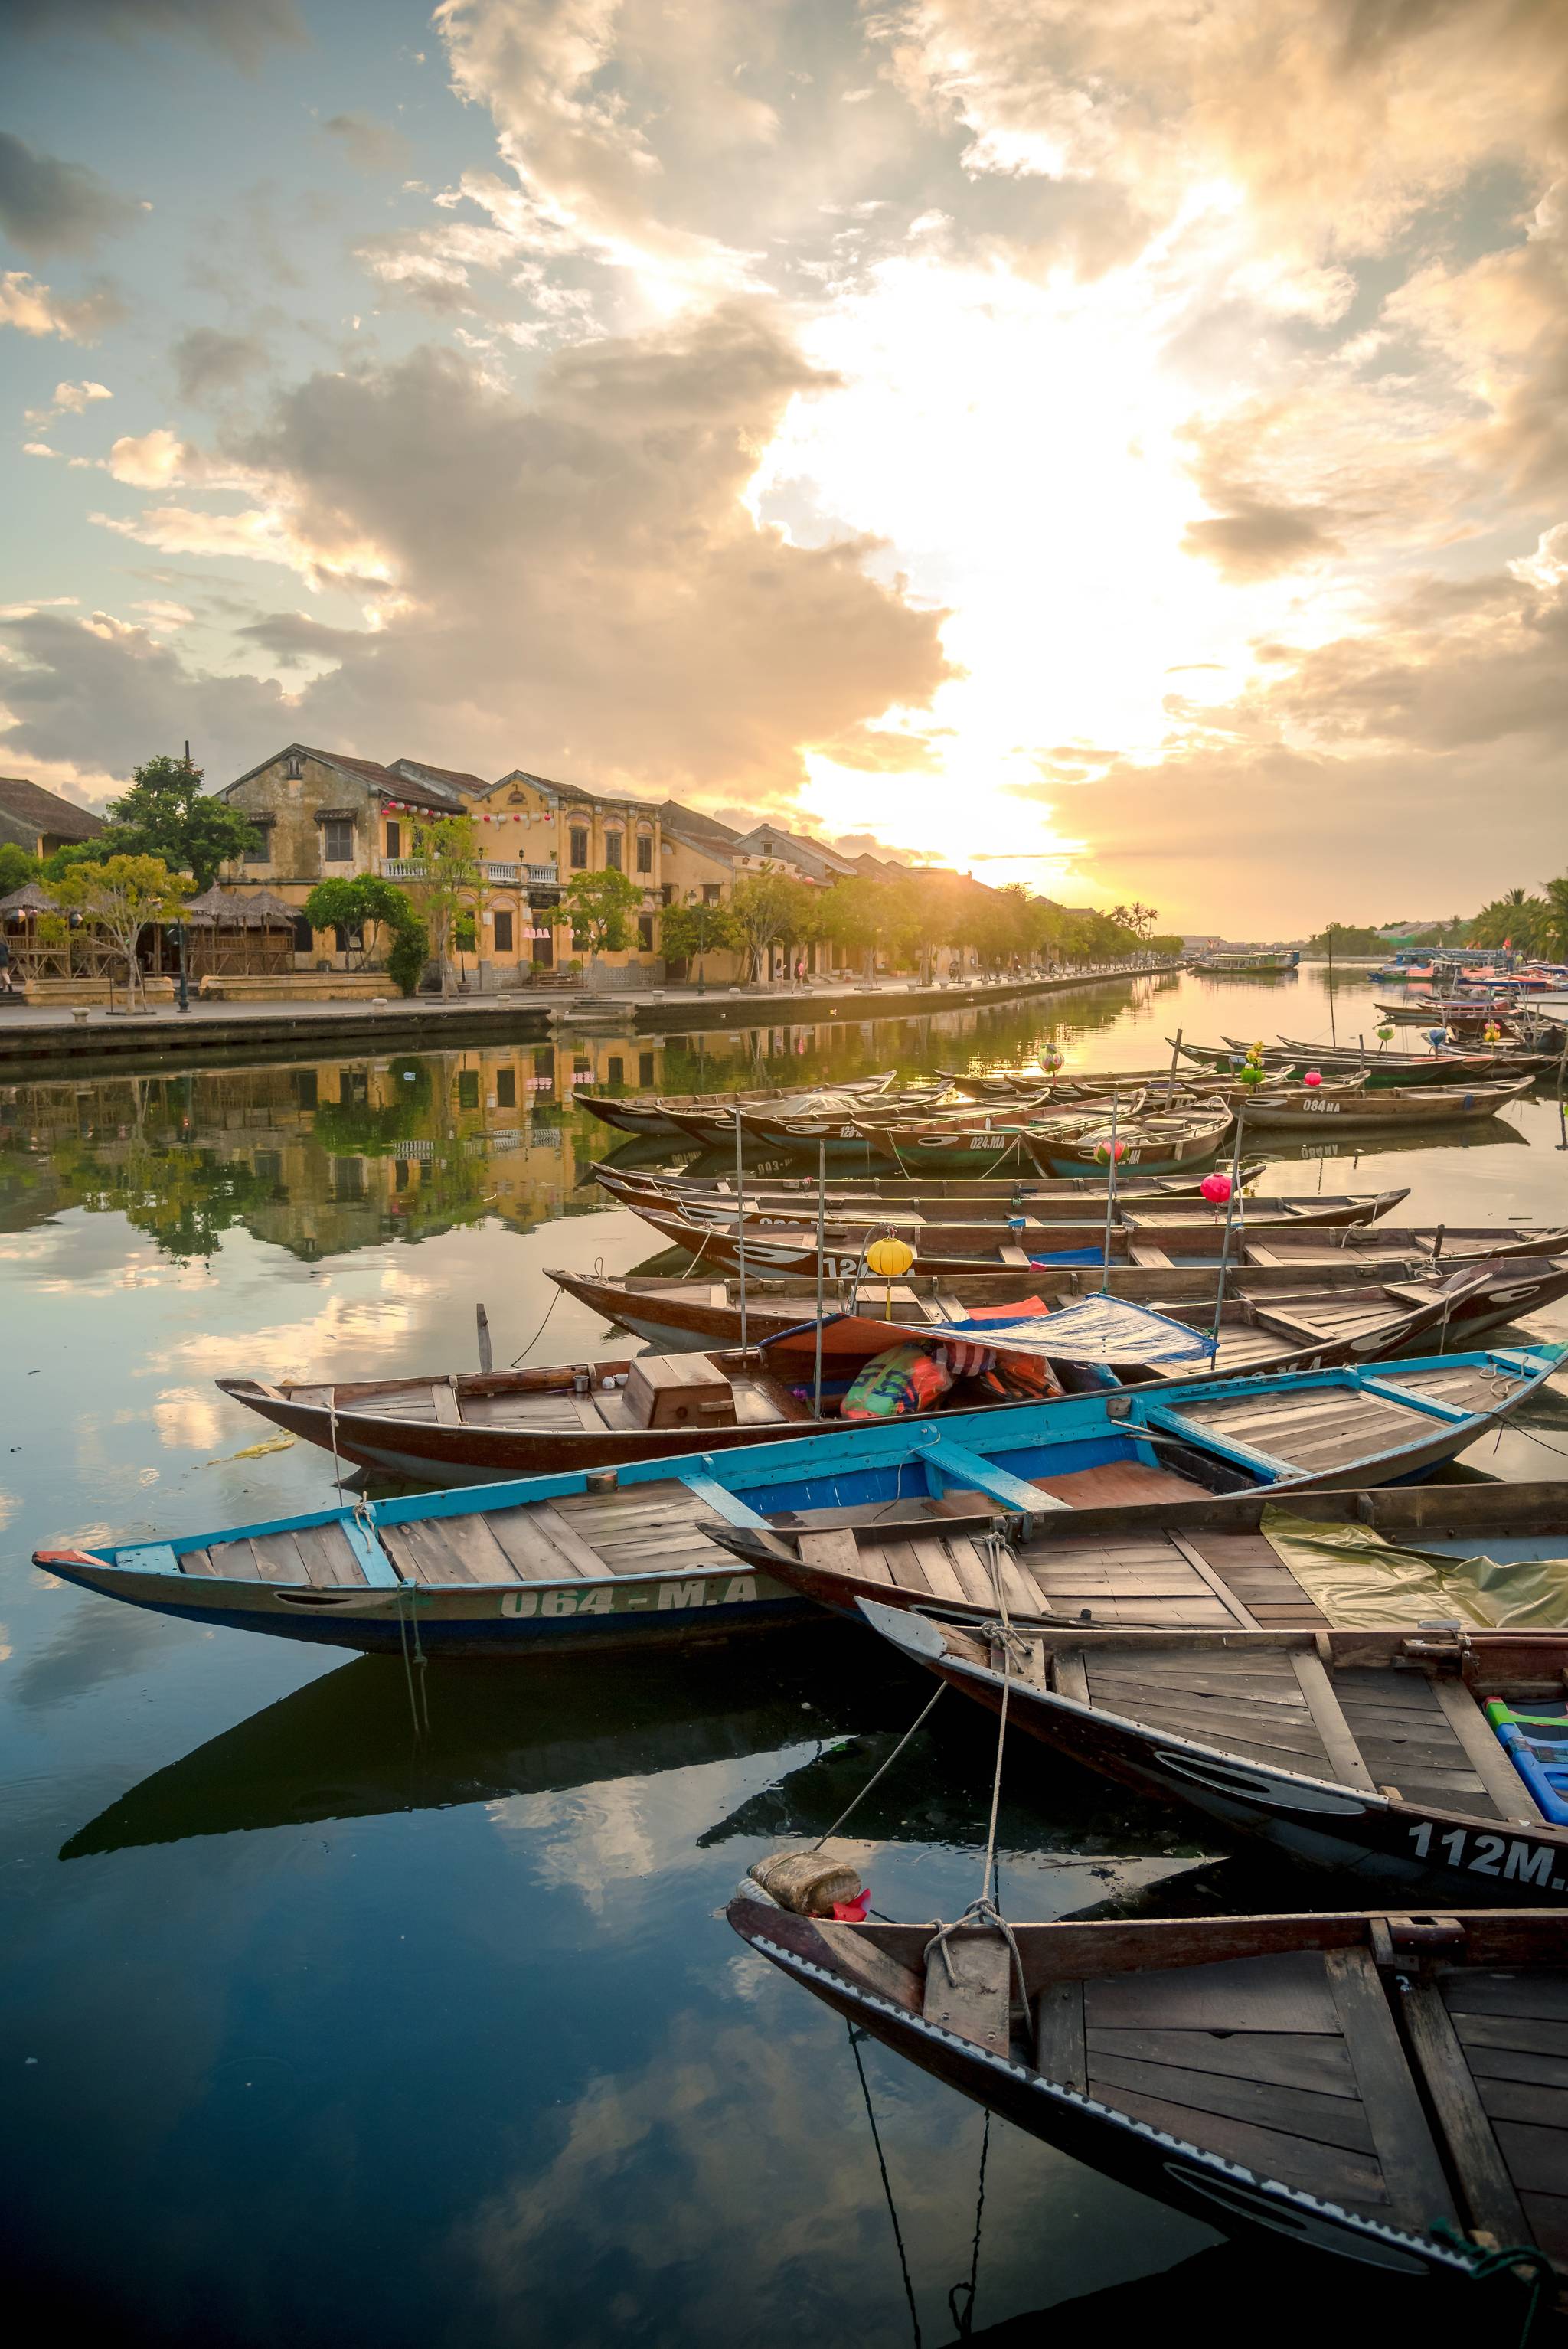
1246	962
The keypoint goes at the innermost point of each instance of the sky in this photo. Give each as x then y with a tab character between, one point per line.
1120	445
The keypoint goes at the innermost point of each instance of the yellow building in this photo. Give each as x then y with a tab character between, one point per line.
320	814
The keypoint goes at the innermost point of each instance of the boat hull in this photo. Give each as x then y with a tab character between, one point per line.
1204	2185
479	1619
1441	1855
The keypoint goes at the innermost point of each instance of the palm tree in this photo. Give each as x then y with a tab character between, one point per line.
1552	923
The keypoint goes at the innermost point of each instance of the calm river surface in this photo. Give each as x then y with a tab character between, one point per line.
314	2033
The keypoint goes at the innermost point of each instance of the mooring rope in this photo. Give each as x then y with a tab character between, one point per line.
887	2183
887	1765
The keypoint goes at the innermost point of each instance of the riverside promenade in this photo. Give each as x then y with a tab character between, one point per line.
37	1040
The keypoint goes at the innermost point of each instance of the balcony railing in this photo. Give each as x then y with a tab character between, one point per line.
519	876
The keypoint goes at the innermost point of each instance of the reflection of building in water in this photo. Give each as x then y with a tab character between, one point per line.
326	1156
317	1157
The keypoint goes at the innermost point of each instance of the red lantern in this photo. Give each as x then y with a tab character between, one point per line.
1216	1189
1313	1077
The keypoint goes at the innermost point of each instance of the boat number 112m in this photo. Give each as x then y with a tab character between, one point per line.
1493	1854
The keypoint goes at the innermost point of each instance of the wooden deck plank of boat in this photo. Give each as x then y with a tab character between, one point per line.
261	1557
1252	1419
1528	1997
1408	1741
1293	1746
1115	1483
327	1556
1284	2059
1205	1614
428	1549
1243	1670
1307	2113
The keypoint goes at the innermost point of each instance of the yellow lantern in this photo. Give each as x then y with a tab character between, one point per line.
891	1258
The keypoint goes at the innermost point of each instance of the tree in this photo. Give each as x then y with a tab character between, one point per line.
763	906
16	867
368	905
447	883
1515	917
1553	927
851	915
120	896
166	815
688	933
600	905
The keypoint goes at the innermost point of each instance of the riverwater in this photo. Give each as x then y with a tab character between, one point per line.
310	2029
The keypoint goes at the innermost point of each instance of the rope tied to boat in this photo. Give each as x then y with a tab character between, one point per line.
919	1723
983	1913
1531	2268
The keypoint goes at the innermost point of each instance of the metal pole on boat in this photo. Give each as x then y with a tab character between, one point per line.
1230	1219
1333	1032
1171	1080
1110	1197
821	1246
740	1219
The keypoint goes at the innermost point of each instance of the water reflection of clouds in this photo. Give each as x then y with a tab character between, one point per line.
592	1837
99	1641
669	2185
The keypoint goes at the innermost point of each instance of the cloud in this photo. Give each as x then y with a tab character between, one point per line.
369	145
523	554
154	461
36	309
1453	698
242	29
208	364
1255	540
75	399
97	695
48	207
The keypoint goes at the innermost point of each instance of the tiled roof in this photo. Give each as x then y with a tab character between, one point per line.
706	830
363	770
421	770
45	811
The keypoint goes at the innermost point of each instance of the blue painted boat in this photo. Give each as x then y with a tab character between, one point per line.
611	1556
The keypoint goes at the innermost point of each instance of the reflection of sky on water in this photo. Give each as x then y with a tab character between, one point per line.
371	2040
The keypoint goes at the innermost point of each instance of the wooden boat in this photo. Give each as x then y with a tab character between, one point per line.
654	1113
1360	1750
1200	1564
769	1191
472	1428
1456	1066
1392	1106
786	1244
1291	1062
972	1142
823	1112
677	1311
1385	2089
1160	1145
616	1554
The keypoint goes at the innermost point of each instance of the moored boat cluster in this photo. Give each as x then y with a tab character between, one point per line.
1027	1378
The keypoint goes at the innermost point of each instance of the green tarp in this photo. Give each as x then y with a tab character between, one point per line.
1363	1583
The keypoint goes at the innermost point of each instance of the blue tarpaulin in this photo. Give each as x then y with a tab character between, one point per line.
1098	1329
